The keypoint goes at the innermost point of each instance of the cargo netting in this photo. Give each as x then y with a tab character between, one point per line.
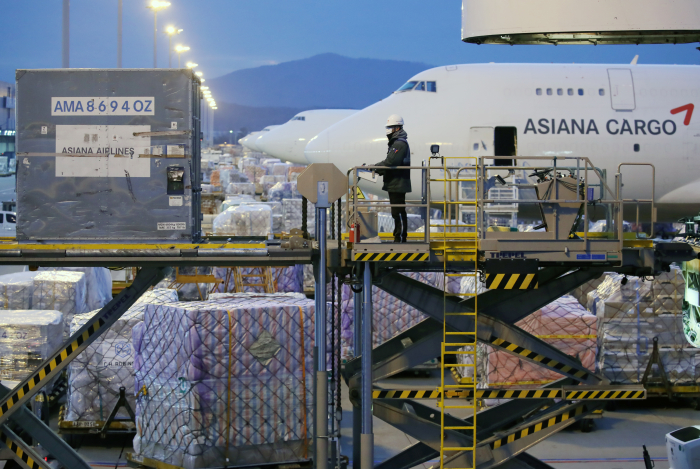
609	324
95	376
226	380
391	316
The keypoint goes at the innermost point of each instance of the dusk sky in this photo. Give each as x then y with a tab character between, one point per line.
227	35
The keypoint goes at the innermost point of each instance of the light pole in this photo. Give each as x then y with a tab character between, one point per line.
155	6
171	31
119	34
65	56
180	49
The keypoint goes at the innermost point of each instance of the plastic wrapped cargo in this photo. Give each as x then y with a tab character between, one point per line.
280	169
244	220
60	291
16	290
292	215
391	315
564	324
225	380
267	182
283	190
235	188
98	284
27	338
107	364
630	317
235	201
277	217
254	173
293	172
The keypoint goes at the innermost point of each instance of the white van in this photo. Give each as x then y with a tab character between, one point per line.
9	224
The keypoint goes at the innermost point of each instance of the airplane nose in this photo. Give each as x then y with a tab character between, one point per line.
317	150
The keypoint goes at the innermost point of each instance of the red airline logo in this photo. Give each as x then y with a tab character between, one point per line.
689	112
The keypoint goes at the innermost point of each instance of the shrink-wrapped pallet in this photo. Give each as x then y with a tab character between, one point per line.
16	290
564	324
277	214
268	181
294	172
391	316
612	300
107	364
283	190
225	380
280	169
292	215
235	201
60	291
98	284
236	188
244	220
631	316
27	338
621	367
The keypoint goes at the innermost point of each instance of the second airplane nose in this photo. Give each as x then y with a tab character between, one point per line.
317	150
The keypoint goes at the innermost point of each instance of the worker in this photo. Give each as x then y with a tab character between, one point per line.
397	182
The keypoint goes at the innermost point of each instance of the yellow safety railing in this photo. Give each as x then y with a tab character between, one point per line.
458	242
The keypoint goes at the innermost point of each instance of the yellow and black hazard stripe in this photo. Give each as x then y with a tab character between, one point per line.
537	427
468	394
548	362
28	460
406	394
391	256
631	394
40	376
511	281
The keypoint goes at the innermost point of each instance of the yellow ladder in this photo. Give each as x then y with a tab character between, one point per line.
263	274
459	243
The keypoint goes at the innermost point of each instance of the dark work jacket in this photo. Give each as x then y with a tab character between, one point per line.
399	154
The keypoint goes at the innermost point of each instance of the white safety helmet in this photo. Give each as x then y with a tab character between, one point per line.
394	120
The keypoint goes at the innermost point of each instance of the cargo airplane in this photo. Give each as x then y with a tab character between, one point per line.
611	114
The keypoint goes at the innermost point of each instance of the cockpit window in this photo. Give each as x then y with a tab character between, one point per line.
420	86
408	86
432	86
299	118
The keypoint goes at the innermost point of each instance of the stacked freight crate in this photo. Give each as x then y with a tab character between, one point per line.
225	380
632	313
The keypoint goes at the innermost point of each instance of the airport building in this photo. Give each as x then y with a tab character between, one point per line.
7	119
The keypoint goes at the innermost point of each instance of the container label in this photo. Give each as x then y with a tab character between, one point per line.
590	257
176	225
117	354
175	201
110	151
89	106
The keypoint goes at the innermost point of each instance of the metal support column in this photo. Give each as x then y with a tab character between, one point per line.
357	351
367	439
320	322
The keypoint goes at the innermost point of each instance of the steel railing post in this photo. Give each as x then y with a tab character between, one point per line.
367	438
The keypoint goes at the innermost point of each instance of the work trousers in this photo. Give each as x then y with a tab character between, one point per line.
399	215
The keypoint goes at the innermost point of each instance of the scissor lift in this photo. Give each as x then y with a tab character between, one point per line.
524	271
